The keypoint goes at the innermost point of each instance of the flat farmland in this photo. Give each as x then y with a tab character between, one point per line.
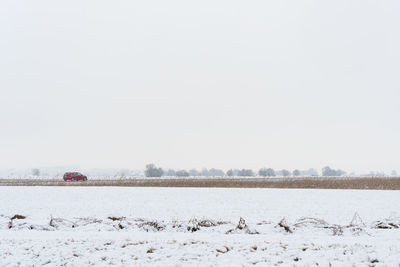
382	183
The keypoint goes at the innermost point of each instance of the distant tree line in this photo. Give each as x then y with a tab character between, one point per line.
154	171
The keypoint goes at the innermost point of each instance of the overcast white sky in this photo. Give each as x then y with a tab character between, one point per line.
227	84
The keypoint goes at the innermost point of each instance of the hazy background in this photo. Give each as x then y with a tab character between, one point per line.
191	84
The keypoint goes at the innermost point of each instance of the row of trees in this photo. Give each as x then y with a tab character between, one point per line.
154	171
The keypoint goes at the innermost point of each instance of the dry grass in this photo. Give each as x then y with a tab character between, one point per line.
386	183
116	218
284	225
19	217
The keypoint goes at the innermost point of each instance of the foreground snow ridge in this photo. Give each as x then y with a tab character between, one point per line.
88	241
356	227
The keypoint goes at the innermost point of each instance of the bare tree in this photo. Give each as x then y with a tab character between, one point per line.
153	171
35	172
327	171
266	172
296	173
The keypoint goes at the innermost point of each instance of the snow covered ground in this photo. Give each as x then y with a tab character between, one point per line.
102	226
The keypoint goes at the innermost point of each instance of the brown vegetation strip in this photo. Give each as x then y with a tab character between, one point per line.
387	183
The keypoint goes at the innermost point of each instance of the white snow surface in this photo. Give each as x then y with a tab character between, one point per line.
125	226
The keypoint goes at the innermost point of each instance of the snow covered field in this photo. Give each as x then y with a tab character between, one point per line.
102	226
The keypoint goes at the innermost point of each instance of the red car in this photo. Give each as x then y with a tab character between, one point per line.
74	176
